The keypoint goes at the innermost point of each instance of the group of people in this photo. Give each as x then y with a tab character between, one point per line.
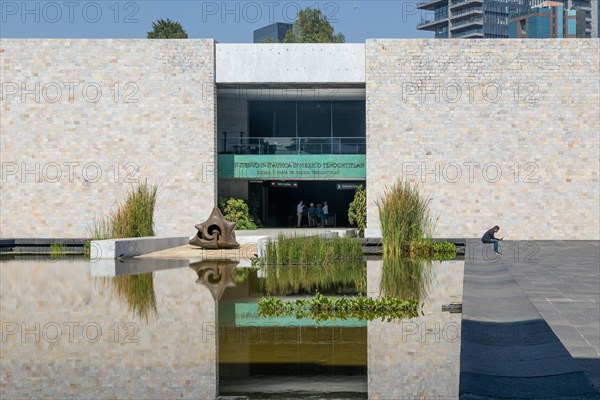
312	216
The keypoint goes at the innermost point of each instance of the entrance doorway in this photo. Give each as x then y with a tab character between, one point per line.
282	197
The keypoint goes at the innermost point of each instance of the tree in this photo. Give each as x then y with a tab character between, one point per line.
357	212
168	29
268	40
312	26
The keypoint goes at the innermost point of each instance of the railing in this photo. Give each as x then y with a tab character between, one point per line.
441	19
291	145
470	21
471	32
455	3
473	10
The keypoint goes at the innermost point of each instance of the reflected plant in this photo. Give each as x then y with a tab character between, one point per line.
405	278
293	264
322	308
137	291
57	251
286	279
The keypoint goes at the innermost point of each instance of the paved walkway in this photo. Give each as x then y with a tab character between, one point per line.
531	321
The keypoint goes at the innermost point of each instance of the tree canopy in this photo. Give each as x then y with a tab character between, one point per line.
312	26
167	29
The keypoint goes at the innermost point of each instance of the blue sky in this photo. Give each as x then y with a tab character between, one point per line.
225	21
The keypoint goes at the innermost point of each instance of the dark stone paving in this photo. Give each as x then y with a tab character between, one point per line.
531	321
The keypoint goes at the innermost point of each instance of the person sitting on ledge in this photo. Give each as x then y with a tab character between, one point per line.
488	237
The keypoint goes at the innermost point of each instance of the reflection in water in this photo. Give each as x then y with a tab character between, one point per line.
405	278
350	275
216	275
137	291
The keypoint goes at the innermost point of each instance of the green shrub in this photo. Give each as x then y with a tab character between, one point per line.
236	210
57	251
426	248
321	308
357	212
404	217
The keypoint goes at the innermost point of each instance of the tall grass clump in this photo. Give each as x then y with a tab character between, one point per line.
295	264
314	250
132	218
404	217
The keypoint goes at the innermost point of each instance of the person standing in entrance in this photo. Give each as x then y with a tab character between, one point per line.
325	213
299	210
312	215
488	237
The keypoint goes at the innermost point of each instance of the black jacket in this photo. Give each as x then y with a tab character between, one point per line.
488	236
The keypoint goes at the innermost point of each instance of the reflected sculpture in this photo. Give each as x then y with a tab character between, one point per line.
215	233
216	275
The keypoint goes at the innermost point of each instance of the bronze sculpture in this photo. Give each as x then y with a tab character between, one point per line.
215	233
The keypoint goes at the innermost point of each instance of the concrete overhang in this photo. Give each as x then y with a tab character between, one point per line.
277	63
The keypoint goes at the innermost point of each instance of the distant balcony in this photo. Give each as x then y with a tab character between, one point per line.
431	5
472	34
431	25
458	4
466	23
466	12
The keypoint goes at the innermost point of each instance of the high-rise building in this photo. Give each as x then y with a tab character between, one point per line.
489	18
550	19
275	32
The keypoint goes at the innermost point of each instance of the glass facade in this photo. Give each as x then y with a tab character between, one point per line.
307	118
276	32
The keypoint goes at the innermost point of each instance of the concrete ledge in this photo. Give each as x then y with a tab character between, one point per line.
131	247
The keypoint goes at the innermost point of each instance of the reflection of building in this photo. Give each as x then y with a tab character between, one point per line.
275	32
550	19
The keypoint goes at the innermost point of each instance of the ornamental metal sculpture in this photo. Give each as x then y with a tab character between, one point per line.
215	233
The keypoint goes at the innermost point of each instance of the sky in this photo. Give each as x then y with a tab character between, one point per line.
224	21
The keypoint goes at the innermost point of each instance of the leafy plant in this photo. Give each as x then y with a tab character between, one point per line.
404	217
322	308
357	212
427	248
167	29
57	251
236	210
312	26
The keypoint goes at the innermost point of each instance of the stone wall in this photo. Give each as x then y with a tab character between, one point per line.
509	135
84	120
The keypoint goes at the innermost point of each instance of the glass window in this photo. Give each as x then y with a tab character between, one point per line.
272	118
314	118
349	119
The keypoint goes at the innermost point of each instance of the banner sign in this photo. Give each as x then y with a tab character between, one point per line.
292	166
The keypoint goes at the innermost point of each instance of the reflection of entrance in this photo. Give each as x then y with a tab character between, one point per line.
281	200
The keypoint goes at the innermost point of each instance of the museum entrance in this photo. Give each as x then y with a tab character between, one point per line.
277	200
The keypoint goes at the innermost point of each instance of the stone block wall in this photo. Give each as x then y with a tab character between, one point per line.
84	120
495	131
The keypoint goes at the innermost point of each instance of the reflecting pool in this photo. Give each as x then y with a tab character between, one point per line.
187	329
